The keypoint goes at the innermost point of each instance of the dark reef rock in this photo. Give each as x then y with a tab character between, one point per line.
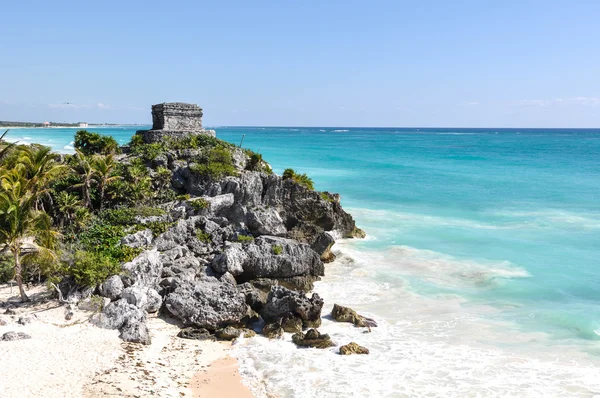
272	330
192	333
353	348
112	287
312	338
207	304
283	303
345	314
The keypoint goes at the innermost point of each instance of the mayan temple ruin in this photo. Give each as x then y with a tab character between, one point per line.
176	120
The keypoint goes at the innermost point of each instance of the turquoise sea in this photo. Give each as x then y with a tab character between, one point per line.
482	261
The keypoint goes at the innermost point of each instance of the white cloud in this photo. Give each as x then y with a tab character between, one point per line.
100	105
469	103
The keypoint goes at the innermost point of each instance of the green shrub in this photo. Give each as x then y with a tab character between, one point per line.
245	238
184	196
326	197
215	163
301	179
7	270
125	216
92	143
158	227
203	236
197	142
256	162
198	204
92	268
277	250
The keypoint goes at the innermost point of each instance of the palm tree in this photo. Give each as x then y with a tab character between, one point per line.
68	204
87	175
4	151
104	167
24	231
40	166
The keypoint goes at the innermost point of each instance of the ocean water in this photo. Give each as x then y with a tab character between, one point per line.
481	262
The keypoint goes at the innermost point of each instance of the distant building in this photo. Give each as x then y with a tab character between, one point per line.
46	124
83	124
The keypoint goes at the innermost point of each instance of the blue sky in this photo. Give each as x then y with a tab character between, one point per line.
312	63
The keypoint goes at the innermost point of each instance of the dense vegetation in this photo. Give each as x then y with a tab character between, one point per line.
62	217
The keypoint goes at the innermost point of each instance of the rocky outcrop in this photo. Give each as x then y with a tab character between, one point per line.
207	304
127	318
345	314
268	257
353	348
144	270
112	287
283	304
312	338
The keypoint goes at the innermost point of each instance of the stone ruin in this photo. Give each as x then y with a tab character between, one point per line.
175	120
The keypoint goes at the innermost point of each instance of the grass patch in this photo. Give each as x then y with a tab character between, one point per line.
277	250
302	179
245	238
203	236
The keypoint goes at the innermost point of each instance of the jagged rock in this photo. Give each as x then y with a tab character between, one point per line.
2	322
228	278
268	257
208	303
312	338
304	283
255	298
139	239
72	292
345	314
353	348
24	320
11	336
273	330
195	334
322	245
292	325
228	333
285	303
265	222
130	320
112	287
144	298
249	333
144	270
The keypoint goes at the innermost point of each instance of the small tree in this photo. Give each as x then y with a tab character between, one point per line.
24	231
91	143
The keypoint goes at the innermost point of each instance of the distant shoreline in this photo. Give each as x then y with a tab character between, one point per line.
69	126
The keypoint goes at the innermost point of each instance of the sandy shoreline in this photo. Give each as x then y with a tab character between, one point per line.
76	359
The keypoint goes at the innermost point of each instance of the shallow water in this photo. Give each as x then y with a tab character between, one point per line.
481	263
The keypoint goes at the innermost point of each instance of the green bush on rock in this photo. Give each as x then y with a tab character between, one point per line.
302	179
92	268
215	163
90	143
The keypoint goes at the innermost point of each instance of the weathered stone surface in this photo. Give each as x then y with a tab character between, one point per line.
228	333
345	314
2	322
11	336
259	259
24	320
90	304
112	287
136	332
292	325
265	222
175	119
283	303
139	239
208	304
353	348
144	298
312	338
130	320
144	270
195	334
273	330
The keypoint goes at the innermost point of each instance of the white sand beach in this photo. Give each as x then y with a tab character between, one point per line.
73	358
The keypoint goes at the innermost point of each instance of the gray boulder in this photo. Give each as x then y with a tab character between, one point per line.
144	270
139	239
209	304
127	318
268	257
144	298
267	221
112	287
283	303
11	336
